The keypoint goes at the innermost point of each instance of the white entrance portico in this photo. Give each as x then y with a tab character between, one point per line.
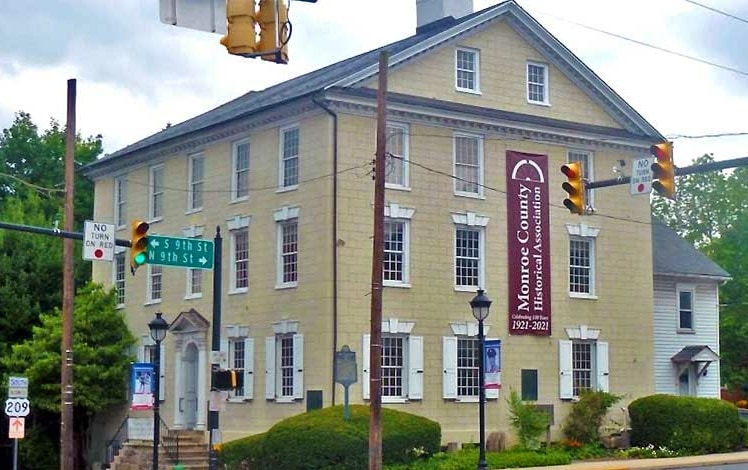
190	333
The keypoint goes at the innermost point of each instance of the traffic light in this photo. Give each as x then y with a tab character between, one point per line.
241	37
227	379
139	244
663	170
274	31
574	186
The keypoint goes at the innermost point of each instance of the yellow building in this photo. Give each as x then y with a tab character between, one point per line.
477	105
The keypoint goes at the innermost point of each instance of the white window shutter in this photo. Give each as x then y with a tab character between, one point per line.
415	364
270	367
449	364
228	363
602	367
365	372
298	366
566	373
162	372
249	368
493	393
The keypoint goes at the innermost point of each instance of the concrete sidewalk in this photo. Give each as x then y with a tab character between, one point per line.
675	462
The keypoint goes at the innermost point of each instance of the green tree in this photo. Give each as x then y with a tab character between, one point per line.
101	341
711	210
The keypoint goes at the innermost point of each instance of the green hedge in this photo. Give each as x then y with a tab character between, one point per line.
691	424
322	439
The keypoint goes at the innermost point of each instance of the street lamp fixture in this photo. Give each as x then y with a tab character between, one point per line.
158	327
481	305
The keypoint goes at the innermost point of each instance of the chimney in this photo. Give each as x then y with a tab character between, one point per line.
429	11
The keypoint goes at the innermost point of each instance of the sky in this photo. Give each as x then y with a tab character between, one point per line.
134	74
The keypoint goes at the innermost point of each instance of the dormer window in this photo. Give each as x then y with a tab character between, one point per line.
467	70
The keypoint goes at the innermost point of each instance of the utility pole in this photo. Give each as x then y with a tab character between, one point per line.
67	460
375	346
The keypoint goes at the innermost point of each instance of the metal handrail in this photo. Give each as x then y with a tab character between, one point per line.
169	441
114	444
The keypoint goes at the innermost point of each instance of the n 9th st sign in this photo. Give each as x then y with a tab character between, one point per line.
182	252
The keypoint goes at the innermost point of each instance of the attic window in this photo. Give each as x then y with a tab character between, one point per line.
467	70
537	83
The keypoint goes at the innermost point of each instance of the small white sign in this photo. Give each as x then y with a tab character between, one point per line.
140	429
98	241
17	407
18	387
16	428
202	15
641	176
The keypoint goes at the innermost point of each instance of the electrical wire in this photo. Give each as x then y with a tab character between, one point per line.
715	10
707	136
36	187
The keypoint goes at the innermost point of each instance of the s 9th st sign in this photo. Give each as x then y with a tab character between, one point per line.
182	252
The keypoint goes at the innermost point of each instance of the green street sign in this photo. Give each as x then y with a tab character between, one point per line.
183	252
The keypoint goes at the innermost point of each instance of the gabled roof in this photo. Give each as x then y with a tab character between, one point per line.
353	71
673	255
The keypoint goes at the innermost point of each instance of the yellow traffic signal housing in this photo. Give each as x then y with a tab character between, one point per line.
663	170
241	37
227	379
139	244
574	186
274	31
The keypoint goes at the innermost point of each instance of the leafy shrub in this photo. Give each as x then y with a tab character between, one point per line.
468	458
690	424
649	452
323	439
527	420
583	422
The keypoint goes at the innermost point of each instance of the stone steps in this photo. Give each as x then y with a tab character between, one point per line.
138	455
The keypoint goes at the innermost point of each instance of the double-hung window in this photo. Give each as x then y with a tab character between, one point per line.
240	354
467	70
156	193
468	165
196	182
120	202
537	83
586	159
686	295
460	356
469	250
396	262
284	367
396	170
240	171
155	283
287	222
119	278
194	283
289	158
583	366
238	254
581	265
402	364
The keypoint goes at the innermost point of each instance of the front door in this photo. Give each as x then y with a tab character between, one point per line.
189	395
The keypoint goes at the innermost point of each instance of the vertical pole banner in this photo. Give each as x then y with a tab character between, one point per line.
492	360
528	244
141	386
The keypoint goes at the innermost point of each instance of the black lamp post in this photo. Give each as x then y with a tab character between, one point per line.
158	327
481	305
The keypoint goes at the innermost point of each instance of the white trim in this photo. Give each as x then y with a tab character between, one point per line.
283	220
404	219
405	128
190	182
481	257
395	211
471	219
281	162
592	248
118	200
238	221
239	228
151	192
691	288
286	213
582	230
193	231
546	83
234	154
481	165
285	326
149	286
393	325
582	332
476	71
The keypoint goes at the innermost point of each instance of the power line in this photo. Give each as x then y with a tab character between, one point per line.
707	136
646	44
715	10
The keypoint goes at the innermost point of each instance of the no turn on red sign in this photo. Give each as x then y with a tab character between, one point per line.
641	176
98	241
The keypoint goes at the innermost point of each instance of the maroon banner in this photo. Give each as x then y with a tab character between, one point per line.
528	244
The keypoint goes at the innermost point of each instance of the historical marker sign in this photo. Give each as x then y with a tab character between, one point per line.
98	241
182	252
641	176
